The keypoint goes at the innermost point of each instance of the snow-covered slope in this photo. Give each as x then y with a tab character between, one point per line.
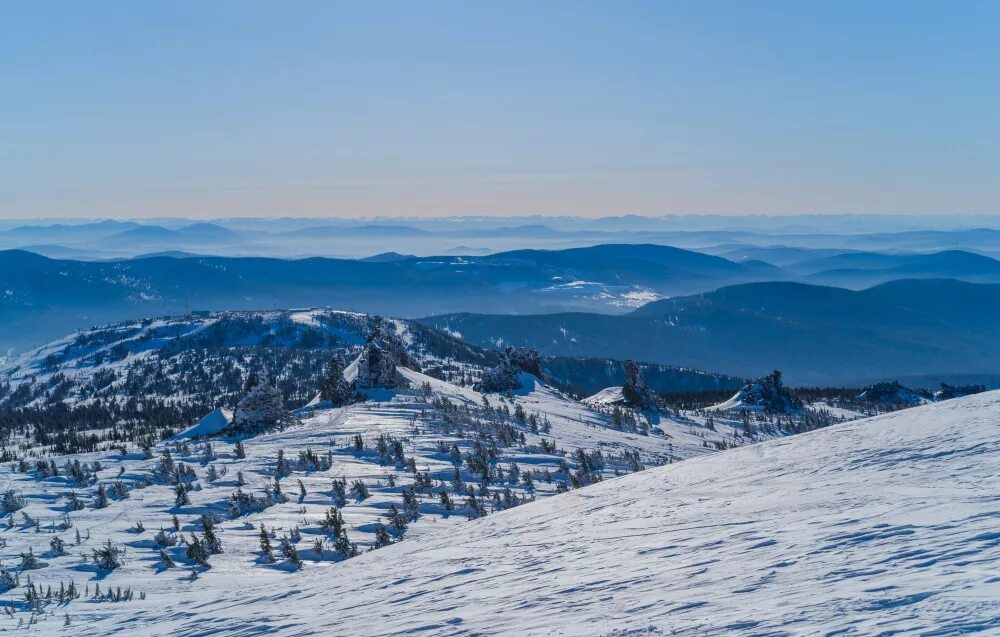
211	424
881	526
150	379
607	397
538	433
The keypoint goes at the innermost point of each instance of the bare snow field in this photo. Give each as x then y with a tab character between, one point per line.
889	525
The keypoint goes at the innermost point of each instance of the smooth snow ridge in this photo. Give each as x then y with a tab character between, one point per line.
889	525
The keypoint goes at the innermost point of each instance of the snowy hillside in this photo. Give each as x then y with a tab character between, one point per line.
145	380
879	526
100	517
405	462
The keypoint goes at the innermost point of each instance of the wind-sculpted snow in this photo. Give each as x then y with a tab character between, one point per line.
880	526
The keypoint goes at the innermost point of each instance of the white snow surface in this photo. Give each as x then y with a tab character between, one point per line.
404	413
740	400
606	397
889	525
210	424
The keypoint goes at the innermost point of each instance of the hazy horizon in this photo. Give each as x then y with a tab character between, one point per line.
738	217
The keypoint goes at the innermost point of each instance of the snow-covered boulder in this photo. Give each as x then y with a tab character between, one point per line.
376	367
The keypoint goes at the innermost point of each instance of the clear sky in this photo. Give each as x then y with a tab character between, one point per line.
204	109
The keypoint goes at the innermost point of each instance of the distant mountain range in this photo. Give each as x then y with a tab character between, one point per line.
815	334
739	317
42	297
779	242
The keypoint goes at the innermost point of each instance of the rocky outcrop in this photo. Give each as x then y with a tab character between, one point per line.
948	392
767	394
525	359
382	352
892	394
635	392
504	377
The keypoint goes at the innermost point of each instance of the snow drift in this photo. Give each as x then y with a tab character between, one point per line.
212	423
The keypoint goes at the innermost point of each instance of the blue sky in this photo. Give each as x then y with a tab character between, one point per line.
208	109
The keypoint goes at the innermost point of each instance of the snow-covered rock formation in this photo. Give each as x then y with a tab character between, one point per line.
211	424
634	392
382	352
634	389
892	394
767	394
947	392
505	376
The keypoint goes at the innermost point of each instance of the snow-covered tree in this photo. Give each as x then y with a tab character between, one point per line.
211	542
382	537
29	561
290	552
335	387
11	501
101	499
109	556
181	496
196	551
166	560
265	544
260	410
397	521
359	490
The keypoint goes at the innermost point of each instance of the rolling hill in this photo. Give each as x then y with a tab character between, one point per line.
816	335
863	269
155	375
